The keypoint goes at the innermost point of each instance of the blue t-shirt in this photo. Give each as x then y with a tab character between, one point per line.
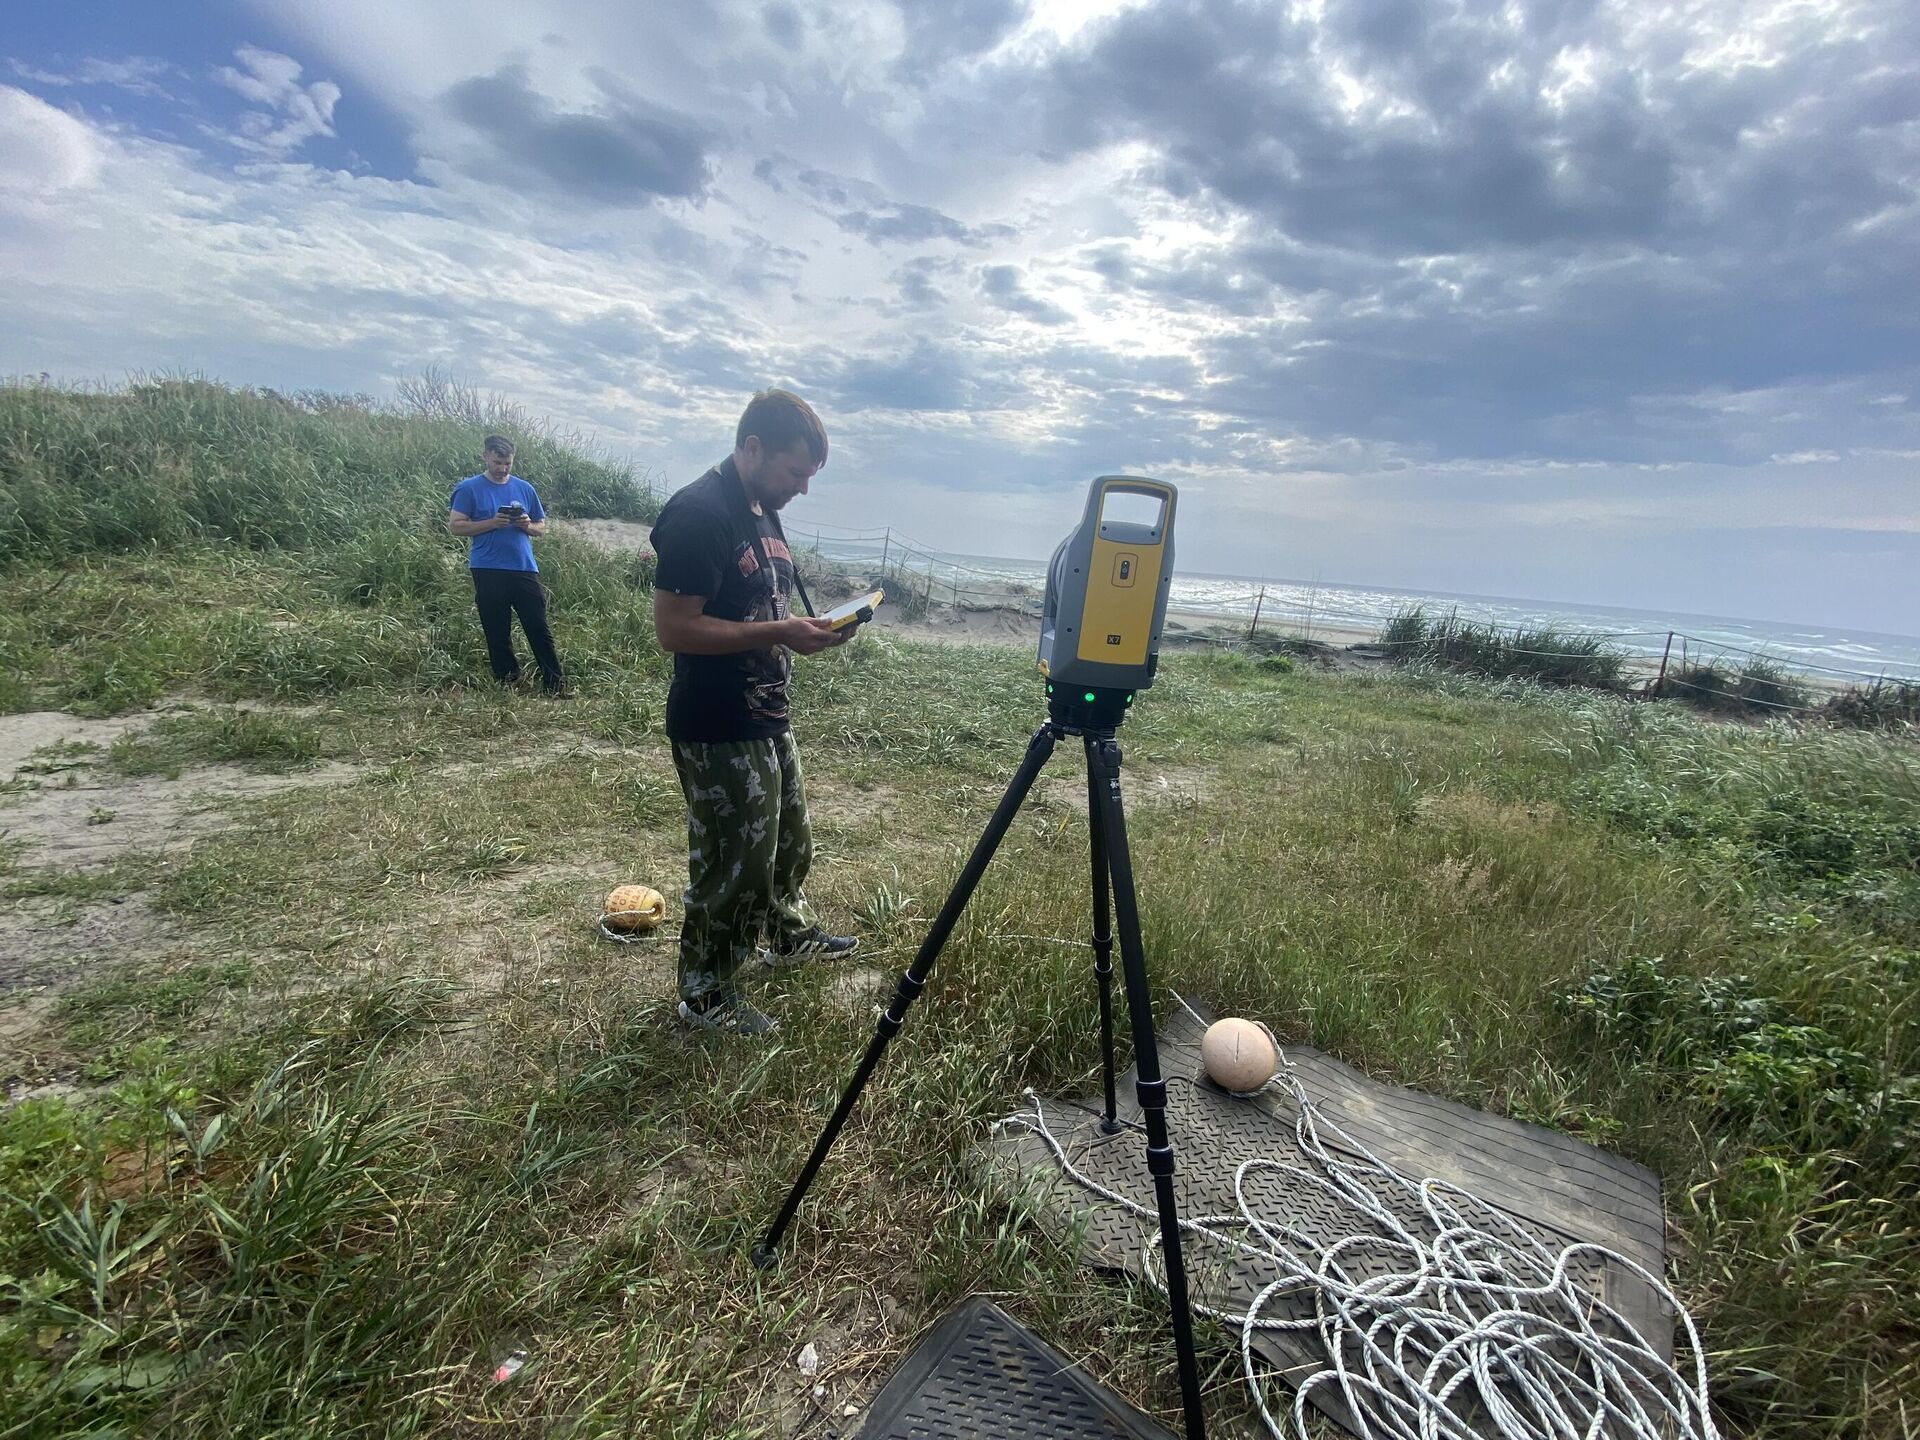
478	498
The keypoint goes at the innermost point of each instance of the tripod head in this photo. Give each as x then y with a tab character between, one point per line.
1089	710
1106	601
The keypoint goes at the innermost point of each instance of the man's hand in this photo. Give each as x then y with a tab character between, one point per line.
809	635
523	523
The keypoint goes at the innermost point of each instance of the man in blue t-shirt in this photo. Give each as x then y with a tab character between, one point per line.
500	513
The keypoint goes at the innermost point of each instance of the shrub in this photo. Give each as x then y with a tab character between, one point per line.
1545	655
1764	1071
1883	705
1760	687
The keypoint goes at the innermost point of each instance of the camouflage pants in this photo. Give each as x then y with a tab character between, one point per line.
749	847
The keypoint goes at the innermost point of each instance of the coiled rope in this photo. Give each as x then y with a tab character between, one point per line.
1478	1325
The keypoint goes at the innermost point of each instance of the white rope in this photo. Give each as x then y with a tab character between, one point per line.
631	937
1483	1307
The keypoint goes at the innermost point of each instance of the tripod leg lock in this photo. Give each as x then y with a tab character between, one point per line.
895	1014
1152	1094
1160	1160
1103	957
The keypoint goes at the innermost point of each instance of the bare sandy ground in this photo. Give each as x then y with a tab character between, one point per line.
609	534
65	813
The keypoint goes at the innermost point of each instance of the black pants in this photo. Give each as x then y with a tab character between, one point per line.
499	595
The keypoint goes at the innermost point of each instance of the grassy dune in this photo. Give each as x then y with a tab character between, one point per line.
392	1109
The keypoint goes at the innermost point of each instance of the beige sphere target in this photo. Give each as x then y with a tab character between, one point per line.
1238	1055
634	909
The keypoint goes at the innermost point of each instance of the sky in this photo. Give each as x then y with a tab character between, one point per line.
1611	303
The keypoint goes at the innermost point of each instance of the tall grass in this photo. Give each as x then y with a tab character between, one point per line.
1545	655
182	535
1881	705
164	463
1750	686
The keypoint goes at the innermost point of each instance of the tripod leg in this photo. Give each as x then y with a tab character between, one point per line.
1102	941
1103	757
913	980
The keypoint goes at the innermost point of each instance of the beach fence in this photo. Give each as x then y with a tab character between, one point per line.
1655	664
916	571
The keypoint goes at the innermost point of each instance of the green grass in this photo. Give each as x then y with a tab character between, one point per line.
1726	686
263	740
1881	705
163	463
1545	655
394	1109
1608	918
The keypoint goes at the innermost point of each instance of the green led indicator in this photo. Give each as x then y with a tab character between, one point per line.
1129	697
1089	697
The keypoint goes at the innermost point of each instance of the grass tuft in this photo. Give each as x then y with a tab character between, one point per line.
1545	655
1757	687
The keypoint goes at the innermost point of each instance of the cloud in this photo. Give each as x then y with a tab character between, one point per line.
1559	280
1005	288
293	113
784	24
945	32
899	224
136	74
624	151
43	151
861	207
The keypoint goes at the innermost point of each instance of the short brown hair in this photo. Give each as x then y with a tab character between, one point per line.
782	420
497	445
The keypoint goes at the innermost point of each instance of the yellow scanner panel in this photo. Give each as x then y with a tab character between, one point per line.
1123	583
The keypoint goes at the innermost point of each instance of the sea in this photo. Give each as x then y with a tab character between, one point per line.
1301	606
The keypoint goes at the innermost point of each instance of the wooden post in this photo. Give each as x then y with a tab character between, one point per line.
1661	683
1258	601
886	548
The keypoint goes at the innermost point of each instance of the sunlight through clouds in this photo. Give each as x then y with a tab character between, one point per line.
1422	255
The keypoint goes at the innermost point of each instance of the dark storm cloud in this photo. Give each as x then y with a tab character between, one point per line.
1517	231
1240	102
624	151
1477	134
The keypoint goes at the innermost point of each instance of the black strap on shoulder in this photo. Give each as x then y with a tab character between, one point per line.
759	549
781	531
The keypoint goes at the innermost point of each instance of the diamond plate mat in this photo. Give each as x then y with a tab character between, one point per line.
1561	1188
980	1372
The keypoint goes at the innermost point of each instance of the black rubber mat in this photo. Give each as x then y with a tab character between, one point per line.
1562	1189
981	1373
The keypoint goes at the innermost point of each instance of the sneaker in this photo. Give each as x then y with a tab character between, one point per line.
558	692
816	944
728	1014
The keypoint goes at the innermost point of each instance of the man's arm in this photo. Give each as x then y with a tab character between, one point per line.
466	525
683	628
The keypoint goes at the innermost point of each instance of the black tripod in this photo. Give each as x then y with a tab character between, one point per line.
1093	715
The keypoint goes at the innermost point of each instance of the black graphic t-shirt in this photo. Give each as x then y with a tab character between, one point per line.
710	543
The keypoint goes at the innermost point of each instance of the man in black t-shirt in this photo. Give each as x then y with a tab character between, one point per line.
720	606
